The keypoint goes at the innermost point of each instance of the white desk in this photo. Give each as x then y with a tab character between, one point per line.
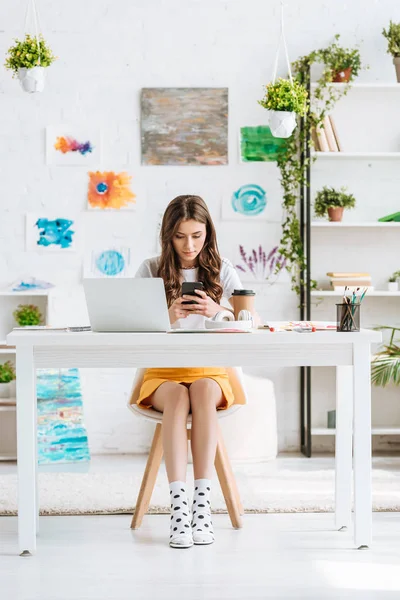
348	352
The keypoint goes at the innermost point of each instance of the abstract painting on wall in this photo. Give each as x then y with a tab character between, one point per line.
110	191
258	144
184	126
108	262
72	145
62	435
46	233
259	265
247	202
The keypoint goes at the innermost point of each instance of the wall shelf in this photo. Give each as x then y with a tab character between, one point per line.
375	431
339	225
334	293
374	85
356	155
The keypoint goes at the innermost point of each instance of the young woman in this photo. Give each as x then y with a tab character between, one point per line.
189	252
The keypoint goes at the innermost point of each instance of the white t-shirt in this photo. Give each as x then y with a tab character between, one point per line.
229	280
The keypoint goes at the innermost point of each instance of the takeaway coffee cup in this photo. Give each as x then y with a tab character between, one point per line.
243	300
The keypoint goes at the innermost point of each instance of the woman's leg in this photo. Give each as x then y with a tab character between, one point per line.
205	396
172	399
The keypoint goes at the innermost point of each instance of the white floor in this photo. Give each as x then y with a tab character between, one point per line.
274	556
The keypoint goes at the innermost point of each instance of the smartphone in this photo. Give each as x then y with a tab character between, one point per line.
188	288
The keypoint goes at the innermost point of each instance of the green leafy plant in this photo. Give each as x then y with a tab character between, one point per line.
27	314
393	278
25	54
328	197
392	34
337	59
285	95
7	372
385	366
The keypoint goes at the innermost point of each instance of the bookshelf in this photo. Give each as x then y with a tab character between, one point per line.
373	293
355	155
9	301
340	224
370	152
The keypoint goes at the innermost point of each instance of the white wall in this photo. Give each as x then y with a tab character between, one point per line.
108	50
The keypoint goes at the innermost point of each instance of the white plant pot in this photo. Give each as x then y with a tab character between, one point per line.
393	286
12	386
282	123
4	390
32	80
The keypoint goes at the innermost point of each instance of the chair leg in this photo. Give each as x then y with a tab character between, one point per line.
227	482
232	476
149	478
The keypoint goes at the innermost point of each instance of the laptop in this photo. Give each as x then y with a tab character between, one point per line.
126	304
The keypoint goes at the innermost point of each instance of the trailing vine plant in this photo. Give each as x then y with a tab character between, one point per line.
293	175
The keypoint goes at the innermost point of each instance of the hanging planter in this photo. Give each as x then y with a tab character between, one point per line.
285	98
29	58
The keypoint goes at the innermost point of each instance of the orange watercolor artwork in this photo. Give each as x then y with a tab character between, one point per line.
110	190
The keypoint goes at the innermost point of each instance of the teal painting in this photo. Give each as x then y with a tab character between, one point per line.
62	435
257	144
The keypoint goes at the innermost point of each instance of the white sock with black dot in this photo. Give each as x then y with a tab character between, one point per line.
180	529
202	527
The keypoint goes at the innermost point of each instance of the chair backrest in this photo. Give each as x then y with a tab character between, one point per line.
235	375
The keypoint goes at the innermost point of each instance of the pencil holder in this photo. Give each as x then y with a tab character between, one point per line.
348	317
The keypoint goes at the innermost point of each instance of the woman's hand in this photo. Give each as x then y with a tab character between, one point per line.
178	311
204	305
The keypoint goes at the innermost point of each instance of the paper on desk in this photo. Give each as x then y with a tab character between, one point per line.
290	325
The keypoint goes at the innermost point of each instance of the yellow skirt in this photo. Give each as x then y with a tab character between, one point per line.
153	378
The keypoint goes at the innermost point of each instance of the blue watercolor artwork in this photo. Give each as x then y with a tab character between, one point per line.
26	285
62	435
249	200
110	263
55	232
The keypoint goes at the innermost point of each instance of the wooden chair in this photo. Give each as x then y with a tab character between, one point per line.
222	463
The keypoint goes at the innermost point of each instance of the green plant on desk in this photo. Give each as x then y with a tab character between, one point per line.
386	363
28	314
7	372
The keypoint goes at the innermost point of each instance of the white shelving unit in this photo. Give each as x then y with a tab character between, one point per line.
375	293
356	155
375	431
340	224
9	301
325	157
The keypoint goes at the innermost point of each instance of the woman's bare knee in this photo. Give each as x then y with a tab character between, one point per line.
203	391
171	396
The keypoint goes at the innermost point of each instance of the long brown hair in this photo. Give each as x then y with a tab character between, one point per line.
185	208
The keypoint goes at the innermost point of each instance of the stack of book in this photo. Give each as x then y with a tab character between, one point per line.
325	137
352	280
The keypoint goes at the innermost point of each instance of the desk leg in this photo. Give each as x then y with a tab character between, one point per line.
362	446
343	443
26	450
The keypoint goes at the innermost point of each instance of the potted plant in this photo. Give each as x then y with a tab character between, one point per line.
393	285
284	99
7	375
28	59
331	202
27	314
343	63
392	34
385	367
